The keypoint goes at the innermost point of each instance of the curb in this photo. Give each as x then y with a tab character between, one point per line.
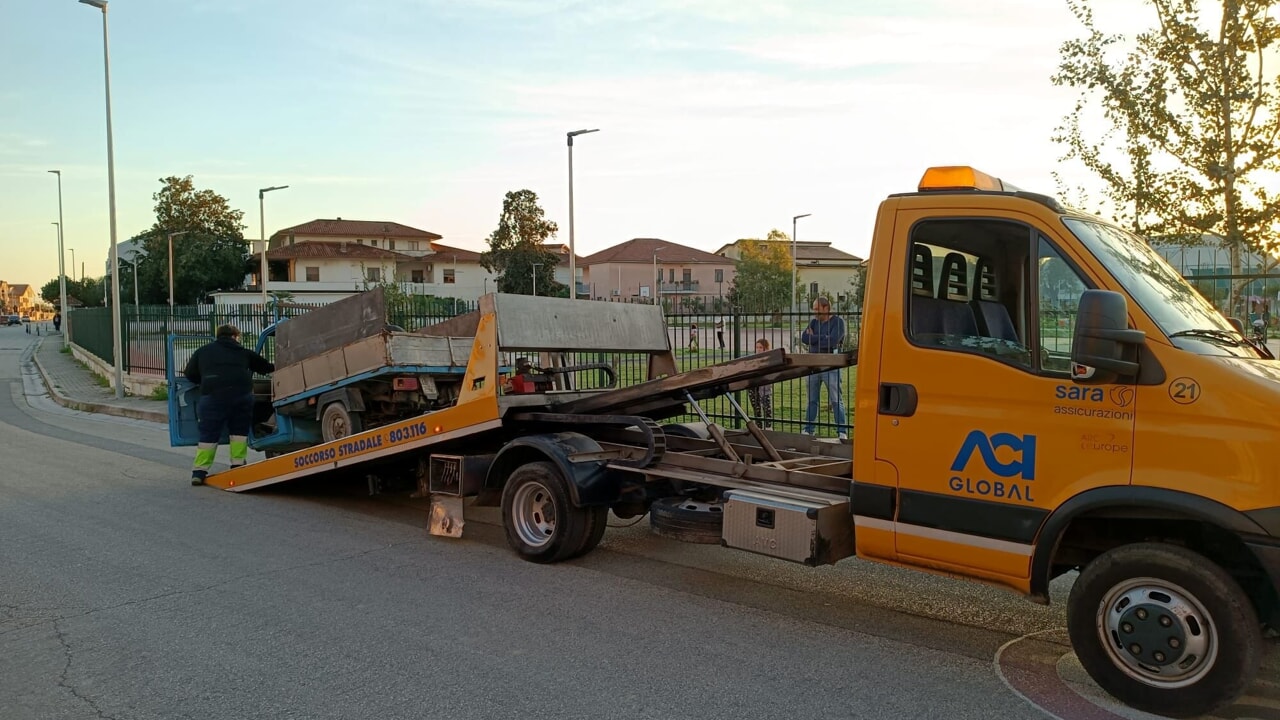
93	407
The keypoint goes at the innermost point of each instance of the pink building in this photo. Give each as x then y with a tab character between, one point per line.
629	270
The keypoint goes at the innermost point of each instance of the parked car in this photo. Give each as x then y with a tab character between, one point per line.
13	320
26	318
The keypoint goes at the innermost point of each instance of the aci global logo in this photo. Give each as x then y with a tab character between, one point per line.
1013	473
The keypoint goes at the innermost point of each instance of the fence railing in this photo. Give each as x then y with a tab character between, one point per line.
698	339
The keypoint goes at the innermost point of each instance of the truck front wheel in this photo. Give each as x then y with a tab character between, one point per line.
541	523
1164	629
336	422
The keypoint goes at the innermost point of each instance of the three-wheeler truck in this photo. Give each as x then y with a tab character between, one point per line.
1037	393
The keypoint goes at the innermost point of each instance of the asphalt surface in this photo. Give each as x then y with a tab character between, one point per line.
126	593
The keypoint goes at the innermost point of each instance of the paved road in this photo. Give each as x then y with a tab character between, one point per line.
125	593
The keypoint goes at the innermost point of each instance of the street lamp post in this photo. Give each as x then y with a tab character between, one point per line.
62	257
73	259
117	354
573	262
535	278
795	279
262	233
172	235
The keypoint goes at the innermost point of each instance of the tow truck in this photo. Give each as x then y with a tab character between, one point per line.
1037	393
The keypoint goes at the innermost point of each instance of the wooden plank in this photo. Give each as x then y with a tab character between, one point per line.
460	326
708	382
674	386
330	327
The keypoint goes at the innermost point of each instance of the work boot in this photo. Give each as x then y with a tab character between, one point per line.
198	476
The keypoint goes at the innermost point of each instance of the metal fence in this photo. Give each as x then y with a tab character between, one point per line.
698	339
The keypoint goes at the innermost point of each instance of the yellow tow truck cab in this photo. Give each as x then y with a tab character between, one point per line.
1037	393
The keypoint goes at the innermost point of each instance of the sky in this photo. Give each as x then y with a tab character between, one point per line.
719	119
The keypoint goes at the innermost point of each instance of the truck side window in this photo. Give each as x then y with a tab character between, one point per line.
1060	288
968	288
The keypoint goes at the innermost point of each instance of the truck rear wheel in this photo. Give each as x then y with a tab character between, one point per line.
539	518
336	422
1164	629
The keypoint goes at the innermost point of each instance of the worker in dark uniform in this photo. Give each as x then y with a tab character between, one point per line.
224	371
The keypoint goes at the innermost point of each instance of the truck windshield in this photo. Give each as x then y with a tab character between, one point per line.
1158	289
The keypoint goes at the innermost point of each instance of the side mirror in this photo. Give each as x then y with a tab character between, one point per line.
1101	337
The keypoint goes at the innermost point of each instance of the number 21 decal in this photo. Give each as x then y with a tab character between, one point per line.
1184	391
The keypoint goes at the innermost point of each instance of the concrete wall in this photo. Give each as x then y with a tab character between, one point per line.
140	385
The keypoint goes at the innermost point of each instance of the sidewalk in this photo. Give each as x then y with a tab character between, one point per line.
73	385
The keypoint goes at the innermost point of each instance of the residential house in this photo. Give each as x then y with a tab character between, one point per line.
561	252
820	268
630	269
22	299
4	297
325	260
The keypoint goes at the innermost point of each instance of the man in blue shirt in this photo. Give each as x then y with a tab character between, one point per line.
824	335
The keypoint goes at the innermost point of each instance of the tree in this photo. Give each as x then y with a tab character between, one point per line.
516	247
88	291
763	276
1195	113
210	256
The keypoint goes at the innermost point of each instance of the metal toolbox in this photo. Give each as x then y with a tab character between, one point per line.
804	530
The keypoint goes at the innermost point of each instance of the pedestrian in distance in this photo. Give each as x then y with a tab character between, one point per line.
57	322
720	332
825	334
693	337
761	396
224	371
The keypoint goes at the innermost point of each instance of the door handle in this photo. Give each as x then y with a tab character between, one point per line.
898	399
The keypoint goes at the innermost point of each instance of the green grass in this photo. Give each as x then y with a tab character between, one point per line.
160	393
66	350
99	380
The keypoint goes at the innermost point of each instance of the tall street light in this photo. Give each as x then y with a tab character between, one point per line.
62	257
117	354
172	235
262	232
73	259
795	279
573	262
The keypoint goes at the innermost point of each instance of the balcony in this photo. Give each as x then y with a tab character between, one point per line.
687	286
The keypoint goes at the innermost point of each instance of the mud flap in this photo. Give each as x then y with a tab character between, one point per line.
446	518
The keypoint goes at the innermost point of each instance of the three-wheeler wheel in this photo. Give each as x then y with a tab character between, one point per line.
337	422
1164	629
539	517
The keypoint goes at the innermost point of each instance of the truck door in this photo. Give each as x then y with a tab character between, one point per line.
183	394
997	434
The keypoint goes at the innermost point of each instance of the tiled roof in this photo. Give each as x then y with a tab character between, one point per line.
812	251
357	229
18	289
445	251
333	250
640	250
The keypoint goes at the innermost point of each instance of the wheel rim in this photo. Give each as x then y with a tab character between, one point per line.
1157	633
533	514
710	508
338	427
